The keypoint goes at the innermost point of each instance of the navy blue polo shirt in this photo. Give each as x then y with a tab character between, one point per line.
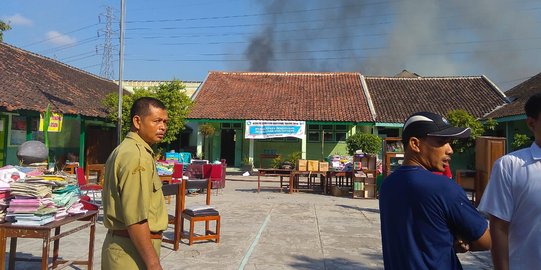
420	214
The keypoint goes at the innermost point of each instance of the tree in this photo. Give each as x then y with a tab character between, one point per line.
520	141
461	118
3	27
368	143
171	94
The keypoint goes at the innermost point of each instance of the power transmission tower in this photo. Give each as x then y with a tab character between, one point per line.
106	70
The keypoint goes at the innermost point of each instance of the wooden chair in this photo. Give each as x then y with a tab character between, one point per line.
174	190
99	169
204	213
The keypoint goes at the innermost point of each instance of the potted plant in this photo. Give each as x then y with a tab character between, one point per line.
292	159
369	143
276	162
207	130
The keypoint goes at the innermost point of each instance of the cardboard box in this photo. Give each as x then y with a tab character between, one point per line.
302	165
313	165
323	166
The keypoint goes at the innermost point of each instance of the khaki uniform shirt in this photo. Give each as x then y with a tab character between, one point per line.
132	190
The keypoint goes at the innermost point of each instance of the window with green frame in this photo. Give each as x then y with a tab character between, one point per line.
331	133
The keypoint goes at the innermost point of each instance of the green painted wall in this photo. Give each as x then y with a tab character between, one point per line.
61	143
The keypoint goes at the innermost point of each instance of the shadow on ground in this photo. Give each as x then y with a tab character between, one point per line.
372	210
304	262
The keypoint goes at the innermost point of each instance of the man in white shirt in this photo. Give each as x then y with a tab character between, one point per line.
513	201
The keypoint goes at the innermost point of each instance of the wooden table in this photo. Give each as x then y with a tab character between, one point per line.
44	232
342	179
275	172
322	174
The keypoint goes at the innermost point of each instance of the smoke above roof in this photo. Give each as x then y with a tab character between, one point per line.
497	38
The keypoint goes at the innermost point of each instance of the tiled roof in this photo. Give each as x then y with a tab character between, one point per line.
396	98
518	96
29	82
306	96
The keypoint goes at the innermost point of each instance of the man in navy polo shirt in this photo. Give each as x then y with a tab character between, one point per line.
427	218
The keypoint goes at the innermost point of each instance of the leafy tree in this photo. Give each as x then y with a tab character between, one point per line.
177	102
461	118
368	143
520	141
3	27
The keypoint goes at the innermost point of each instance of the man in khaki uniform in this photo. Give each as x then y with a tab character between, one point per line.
133	203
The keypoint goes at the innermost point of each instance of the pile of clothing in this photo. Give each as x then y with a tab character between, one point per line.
31	199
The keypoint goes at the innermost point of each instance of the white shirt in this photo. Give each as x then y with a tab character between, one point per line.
513	194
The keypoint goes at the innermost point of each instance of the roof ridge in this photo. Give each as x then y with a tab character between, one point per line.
423	78
54	60
284	73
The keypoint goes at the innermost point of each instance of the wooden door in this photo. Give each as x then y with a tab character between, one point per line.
99	143
487	151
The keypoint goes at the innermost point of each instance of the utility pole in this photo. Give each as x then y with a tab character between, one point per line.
106	70
120	70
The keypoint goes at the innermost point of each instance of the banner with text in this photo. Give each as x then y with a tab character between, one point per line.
264	129
55	122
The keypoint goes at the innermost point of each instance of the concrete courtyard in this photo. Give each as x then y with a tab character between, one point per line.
266	230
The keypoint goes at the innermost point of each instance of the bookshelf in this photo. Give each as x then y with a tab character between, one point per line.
393	154
364	177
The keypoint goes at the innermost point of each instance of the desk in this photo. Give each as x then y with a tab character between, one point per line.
44	232
323	178
275	172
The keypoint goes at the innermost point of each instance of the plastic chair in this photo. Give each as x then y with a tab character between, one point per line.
199	213
217	177
178	172
85	186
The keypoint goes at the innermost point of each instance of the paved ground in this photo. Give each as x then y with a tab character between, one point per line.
268	230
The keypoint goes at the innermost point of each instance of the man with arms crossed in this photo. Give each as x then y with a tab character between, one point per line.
133	203
427	218
512	198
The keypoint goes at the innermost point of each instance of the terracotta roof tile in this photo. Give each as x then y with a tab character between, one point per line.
518	96
306	96
396	98
29	82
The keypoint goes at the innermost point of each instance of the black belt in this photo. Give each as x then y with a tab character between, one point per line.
124	233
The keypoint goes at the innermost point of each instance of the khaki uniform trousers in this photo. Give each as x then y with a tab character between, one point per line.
118	252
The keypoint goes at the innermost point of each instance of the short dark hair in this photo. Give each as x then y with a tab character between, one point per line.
533	106
141	106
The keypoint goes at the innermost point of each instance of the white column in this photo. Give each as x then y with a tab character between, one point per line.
251	151
303	148
199	145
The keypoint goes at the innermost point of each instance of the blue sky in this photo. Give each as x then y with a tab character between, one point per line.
185	39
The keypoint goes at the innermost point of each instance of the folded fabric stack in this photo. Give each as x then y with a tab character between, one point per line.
64	199
35	190
32	205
